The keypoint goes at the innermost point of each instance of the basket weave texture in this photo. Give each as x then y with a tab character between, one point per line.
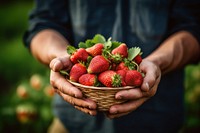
103	96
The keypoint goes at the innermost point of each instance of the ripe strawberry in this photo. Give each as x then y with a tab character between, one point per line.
138	59
88	79
133	78
122	50
98	64
95	49
122	73
122	66
110	78
76	71
77	54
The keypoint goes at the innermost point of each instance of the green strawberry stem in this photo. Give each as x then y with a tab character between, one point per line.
136	65
63	72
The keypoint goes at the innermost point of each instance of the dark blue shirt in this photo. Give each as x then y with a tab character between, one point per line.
142	23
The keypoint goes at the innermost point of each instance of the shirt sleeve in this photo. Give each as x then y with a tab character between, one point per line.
48	14
186	16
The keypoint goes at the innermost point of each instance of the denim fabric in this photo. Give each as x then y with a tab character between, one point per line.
143	23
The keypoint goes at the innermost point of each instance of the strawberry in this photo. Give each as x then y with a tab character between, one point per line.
95	49
133	78
110	78
122	66
138	59
122	73
98	64
88	79
76	71
122	50
77	55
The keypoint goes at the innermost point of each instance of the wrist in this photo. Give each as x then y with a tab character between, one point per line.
160	60
47	45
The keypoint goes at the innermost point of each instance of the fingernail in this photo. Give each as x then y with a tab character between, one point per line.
147	85
75	95
90	107
119	97
55	65
113	111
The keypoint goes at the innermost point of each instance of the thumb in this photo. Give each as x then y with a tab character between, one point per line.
60	63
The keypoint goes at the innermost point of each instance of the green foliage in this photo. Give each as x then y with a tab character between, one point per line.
28	106
192	96
17	66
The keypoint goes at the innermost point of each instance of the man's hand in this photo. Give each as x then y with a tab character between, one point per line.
137	96
67	91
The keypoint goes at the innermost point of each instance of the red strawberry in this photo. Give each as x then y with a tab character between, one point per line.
78	55
122	66
138	59
76	71
98	64
110	78
88	79
95	49
122	50
133	78
122	73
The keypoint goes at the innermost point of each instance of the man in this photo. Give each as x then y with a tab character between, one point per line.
168	33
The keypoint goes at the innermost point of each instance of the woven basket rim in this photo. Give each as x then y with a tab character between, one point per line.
100	88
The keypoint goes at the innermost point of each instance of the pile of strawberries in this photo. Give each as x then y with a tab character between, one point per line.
101	62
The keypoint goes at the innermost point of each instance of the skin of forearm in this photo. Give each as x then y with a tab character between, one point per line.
175	52
48	44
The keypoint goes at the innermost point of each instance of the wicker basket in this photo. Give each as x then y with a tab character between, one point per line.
103	96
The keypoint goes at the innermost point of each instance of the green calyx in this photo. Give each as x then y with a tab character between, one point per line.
116	80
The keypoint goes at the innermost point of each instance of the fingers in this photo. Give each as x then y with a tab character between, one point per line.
134	94
152	75
129	94
68	92
85	105
125	108
60	63
72	94
87	111
60	83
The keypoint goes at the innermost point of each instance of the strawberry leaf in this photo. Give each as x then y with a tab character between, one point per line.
71	49
98	38
133	52
89	43
115	44
82	45
108	44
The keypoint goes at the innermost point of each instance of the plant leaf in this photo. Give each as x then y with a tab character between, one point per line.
115	44
108	43
133	52
71	49
98	38
89	43
82	45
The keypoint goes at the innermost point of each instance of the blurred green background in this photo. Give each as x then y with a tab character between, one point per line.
25	91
